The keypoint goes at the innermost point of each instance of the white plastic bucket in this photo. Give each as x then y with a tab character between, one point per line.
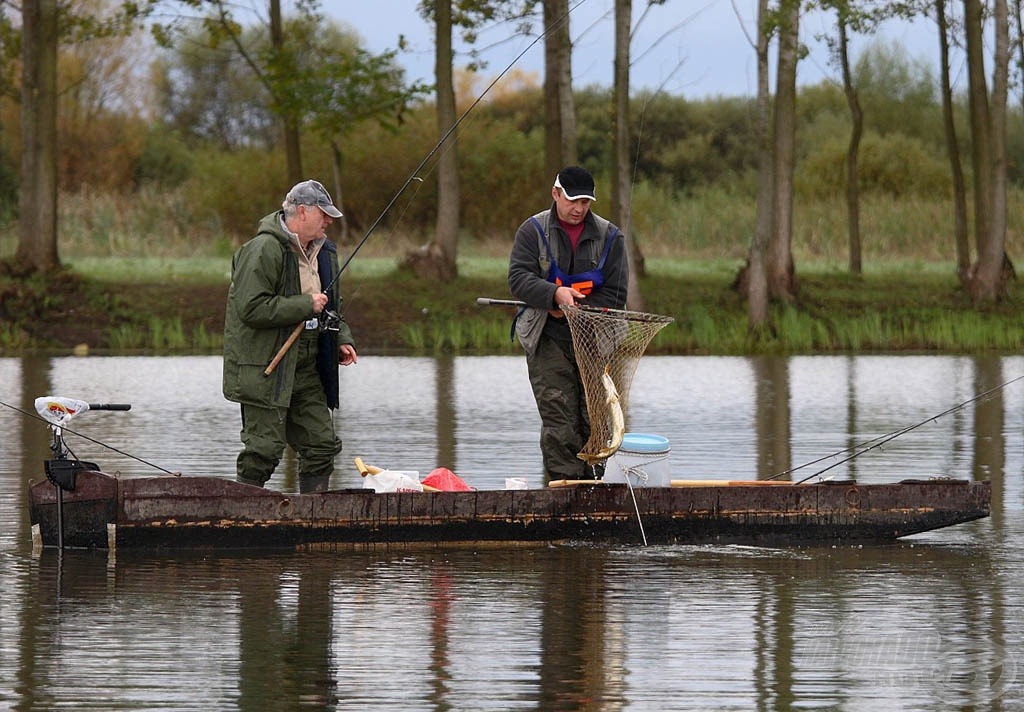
643	458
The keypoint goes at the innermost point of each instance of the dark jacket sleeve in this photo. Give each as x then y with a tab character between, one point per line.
525	281
259	295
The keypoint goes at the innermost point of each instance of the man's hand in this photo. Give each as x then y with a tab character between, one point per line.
319	302
565	295
347	355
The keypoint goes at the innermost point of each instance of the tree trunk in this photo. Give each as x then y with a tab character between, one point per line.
290	126
37	238
780	270
559	104
978	109
756	279
857	130
773	416
1018	16
994	267
963	248
436	260
989	274
337	161
622	214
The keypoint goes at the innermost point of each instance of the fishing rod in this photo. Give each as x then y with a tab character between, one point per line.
414	177
487	302
882	440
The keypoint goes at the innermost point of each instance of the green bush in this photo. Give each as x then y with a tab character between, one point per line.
895	165
165	159
234	190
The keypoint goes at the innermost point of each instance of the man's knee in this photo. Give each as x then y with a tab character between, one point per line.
254	468
318	460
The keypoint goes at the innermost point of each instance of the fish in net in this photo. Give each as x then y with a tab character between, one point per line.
608	345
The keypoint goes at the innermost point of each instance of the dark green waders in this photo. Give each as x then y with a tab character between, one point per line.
306	425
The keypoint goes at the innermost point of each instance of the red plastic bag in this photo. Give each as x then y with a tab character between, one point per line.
445	480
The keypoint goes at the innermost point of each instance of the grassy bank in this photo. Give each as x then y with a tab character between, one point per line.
163	306
154	280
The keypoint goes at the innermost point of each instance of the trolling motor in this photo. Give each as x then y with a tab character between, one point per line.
62	469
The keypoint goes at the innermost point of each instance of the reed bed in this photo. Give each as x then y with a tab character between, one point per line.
710	224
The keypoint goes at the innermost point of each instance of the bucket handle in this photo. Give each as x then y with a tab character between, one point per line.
638	472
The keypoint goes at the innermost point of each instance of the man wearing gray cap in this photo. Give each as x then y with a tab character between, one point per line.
280	279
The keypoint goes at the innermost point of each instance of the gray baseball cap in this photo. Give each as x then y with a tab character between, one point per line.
312	192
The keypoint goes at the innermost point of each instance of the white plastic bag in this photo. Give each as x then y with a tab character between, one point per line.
516	483
58	410
393	481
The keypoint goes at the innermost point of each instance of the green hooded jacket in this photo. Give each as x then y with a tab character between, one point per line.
265	304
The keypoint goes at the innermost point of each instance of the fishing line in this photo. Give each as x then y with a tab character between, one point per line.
869	445
65	429
414	176
636	507
643	111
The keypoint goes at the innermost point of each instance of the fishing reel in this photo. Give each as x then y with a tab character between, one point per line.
329	320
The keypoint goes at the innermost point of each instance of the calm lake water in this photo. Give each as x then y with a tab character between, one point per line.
930	623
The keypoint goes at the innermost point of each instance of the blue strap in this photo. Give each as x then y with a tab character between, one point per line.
607	248
544	237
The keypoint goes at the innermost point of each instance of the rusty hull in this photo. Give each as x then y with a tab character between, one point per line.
212	512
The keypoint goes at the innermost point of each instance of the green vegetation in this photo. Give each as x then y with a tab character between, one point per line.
152	306
188	176
147	233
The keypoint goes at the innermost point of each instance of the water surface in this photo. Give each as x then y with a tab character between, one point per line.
931	623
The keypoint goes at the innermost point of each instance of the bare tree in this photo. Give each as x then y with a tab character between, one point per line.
780	270
622	191
290	129
46	24
853	147
1018	38
436	259
559	104
758	317
991	271
963	248
37	242
446	239
275	69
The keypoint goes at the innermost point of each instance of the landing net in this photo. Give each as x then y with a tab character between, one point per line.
608	345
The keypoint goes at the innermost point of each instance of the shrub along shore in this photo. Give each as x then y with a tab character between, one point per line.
176	306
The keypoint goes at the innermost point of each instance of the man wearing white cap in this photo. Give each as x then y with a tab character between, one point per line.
563	255
283	277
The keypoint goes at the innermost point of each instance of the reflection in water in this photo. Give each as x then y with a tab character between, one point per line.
446	412
773	419
285	636
561	628
925	624
573	647
989	440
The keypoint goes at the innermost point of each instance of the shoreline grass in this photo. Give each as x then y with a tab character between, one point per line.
907	298
911	306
